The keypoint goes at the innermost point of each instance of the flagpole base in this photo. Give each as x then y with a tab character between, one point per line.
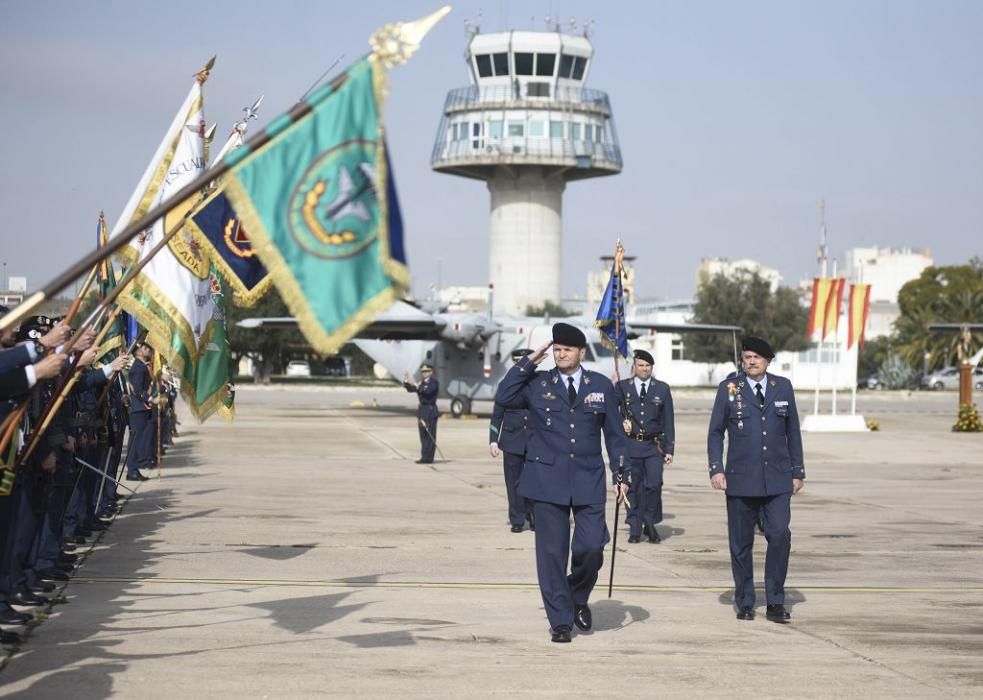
817	423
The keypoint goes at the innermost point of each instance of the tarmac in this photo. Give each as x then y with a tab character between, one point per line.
300	552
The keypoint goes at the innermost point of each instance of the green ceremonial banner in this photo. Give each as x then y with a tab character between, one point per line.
319	208
212	370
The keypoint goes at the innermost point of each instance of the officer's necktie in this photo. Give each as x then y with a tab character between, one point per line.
641	396
761	397
571	392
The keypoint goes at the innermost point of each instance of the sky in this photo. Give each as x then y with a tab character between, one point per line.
735	119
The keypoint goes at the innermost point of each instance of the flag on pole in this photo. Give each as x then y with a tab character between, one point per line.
318	204
858	309
211	389
172	296
106	278
821	287
831	319
611	312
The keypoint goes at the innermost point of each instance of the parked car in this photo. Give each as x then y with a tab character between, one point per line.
871	382
948	378
298	368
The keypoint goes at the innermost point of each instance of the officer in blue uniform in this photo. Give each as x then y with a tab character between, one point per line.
507	436
426	412
569	408
647	418
139	451
764	469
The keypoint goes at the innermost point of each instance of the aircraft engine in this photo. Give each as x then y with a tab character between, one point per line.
467	330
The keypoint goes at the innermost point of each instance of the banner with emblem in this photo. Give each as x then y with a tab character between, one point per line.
319	207
172	296
611	312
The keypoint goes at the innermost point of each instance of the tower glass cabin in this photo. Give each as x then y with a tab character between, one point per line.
526	125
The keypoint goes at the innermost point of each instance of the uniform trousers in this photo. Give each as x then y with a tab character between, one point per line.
776	514
518	506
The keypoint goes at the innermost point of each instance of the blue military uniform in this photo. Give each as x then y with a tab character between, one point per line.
564	472
764	455
138	454
508	431
652	437
426	415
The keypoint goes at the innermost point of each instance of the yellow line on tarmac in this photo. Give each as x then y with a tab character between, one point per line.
314	583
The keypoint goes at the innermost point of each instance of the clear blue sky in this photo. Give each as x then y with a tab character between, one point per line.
735	118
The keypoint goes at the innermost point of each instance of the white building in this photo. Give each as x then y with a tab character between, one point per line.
711	267
526	125
886	270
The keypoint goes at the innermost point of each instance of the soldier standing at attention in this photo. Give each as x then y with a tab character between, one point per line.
647	414
764	469
508	438
569	408
426	412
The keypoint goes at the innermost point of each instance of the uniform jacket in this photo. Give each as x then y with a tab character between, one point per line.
140	382
13	382
764	445
651	418
563	451
426	391
18	356
508	429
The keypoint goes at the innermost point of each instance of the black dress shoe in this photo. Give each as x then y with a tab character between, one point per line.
654	535
778	613
424	461
517	528
53	575
67	547
76	539
42	587
25	597
137	477
96	526
582	617
9	616
561	634
634	539
745	614
65	558
9	637
83	532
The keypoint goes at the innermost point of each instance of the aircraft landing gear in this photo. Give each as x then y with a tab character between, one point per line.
460	406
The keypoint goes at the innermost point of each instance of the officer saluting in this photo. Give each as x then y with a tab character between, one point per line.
563	472
764	469
426	412
507	436
646	408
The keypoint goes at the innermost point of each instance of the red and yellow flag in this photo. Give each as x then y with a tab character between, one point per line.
858	310
824	314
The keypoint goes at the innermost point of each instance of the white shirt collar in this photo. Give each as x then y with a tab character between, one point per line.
577	376
648	385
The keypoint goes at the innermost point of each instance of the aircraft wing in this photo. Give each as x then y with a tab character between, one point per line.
401	321
955	326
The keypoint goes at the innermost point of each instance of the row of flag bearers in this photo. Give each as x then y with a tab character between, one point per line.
56	495
548	426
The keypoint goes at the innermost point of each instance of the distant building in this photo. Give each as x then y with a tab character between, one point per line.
461	299
886	270
711	267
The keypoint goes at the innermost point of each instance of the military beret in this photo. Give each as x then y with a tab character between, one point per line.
565	334
644	356
33	328
519	353
426	367
758	346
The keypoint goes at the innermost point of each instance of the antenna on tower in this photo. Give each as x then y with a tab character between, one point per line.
822	254
588	28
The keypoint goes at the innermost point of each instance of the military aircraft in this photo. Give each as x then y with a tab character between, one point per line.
471	352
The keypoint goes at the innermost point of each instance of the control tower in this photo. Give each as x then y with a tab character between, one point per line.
526	125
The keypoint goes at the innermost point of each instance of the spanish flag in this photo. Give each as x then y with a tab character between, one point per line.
824	314
858	309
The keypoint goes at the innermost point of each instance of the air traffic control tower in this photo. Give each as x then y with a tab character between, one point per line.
526	126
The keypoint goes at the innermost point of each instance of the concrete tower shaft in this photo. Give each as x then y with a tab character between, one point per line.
527	125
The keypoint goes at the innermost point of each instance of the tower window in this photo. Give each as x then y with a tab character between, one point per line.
678	349
556	130
515	129
574	131
501	63
484	65
579	64
537	89
566	65
537	129
545	62
523	63
589	132
495	129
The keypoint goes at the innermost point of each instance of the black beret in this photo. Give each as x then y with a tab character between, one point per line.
644	356
519	353
32	328
426	367
758	346
565	334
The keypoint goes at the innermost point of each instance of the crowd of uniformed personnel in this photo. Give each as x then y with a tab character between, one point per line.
62	453
548	425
